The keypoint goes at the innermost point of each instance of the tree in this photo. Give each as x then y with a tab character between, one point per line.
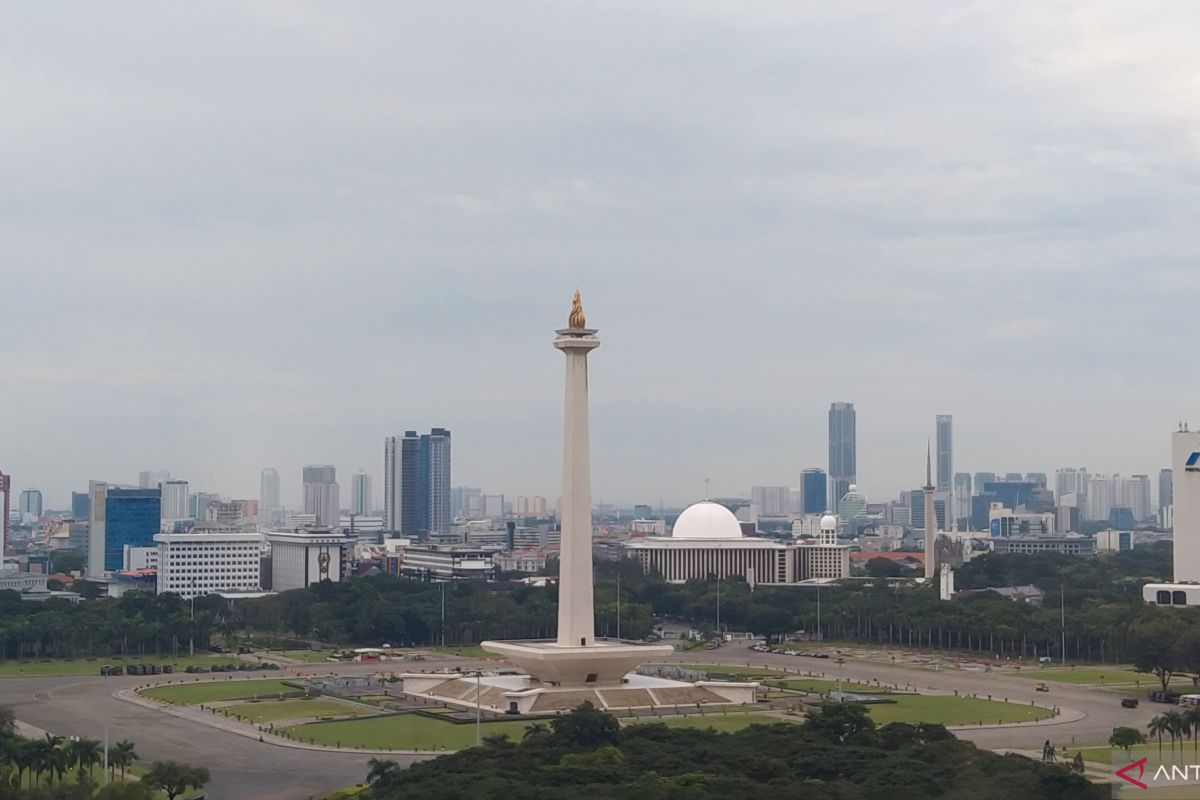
121	756
383	772
175	777
880	567
1125	738
842	722
8	720
587	726
1154	645
84	753
1158	726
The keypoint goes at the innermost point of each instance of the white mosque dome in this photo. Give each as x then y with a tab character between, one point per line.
706	520
829	522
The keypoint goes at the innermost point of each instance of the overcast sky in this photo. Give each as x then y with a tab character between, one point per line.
236	235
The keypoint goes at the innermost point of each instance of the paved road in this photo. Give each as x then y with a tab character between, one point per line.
1101	709
242	768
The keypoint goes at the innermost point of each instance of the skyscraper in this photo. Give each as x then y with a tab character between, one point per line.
174	502
31	503
929	518
1166	489
962	495
120	517
151	478
360	494
842	451
945	451
435	469
416	482
814	491
268	497
80	505
321	494
6	490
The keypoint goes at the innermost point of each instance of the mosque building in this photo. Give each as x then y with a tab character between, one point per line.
707	540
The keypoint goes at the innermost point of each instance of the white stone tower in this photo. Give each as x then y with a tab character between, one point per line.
576	613
931	527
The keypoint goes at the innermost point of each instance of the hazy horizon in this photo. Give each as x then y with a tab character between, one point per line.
246	236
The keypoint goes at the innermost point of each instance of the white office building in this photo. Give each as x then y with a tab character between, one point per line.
174	503
207	560
303	557
439	562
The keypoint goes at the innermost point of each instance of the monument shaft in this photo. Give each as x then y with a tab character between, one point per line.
576	616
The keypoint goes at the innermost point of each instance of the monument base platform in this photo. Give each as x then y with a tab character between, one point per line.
605	662
521	694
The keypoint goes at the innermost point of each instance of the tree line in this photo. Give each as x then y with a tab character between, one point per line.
838	752
59	768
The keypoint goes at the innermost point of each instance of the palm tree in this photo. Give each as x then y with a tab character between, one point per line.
1192	716
40	753
22	755
1174	720
1157	727
536	731
383	772
86	753
121	756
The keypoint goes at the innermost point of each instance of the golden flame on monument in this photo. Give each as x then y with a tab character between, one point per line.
577	320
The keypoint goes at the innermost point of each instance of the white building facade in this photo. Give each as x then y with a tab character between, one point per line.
209	560
301	558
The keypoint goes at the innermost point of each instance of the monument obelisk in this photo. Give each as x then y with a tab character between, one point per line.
576	612
931	526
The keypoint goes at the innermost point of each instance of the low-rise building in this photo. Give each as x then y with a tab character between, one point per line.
1111	541
441	562
302	557
1071	544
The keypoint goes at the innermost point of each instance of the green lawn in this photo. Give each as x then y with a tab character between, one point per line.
403	732
821	686
723	723
738	672
216	691
464	651
949	710
1103	754
91	666
275	710
1088	675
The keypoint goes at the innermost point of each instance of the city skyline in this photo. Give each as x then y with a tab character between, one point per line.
990	248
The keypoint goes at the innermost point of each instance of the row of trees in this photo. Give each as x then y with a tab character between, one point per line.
1105	619
838	752
58	768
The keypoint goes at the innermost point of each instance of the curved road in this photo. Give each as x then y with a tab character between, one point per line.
244	769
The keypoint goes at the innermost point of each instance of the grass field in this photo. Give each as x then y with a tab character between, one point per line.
1088	675
403	732
82	666
307	656
216	691
464	651
739	672
821	686
949	710
275	710
1103	754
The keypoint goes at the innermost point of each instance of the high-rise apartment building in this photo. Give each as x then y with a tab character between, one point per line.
174	503
31	504
843	451
1106	493
814	491
269	507
1070	480
360	494
945	451
962	495
435	463
771	501
151	478
416	482
321	495
536	507
198	504
1166	489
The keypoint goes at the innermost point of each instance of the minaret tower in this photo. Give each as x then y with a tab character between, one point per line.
930	518
576	615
